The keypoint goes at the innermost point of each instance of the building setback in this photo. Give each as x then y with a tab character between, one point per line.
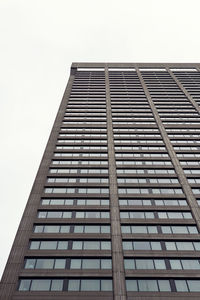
114	210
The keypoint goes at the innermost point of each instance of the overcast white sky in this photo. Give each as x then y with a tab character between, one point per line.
38	41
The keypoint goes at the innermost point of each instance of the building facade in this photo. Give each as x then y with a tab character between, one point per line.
114	210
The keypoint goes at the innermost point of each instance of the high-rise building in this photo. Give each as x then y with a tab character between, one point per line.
114	210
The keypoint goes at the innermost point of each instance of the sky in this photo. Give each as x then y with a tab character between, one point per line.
38	42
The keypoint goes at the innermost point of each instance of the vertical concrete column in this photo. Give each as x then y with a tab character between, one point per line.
119	286
181	87
175	161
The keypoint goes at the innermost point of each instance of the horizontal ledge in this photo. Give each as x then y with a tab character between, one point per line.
100	66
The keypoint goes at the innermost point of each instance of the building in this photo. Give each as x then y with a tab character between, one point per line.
114	209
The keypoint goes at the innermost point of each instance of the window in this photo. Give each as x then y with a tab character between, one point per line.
90	129
148	285
77	141
171	202
91	245
159	202
69	263
49	245
59	190
143	162
182	246
174	215
150	191
145	171
92	202
139	229
77	180
76	190
152	215
145	264
41	285
82	162
187	285
179	229
76	171
51	201
83	147
54	214
93	190
90	285
147	180
191	171
75	284
137	215
185	264
166	245
159	229
74	214
90	264
196	191
72	229
65	245
82	135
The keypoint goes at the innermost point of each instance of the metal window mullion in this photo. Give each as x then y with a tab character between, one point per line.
119	286
177	166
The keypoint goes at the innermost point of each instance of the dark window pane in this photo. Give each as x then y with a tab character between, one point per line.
181	285
131	285
147	285
175	264
34	245
91	264
30	263
63	245
74	285
90	285
164	286
79	229
105	245
144	264
156	246
54	214
190	264
106	285
44	263
64	229
106	264
194	285
92	229
24	285
92	245
127	245
77	245
129	264
159	264
75	264
48	245
40	285
38	229
126	229
60	263
139	229
52	229
57	285
142	246
185	246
